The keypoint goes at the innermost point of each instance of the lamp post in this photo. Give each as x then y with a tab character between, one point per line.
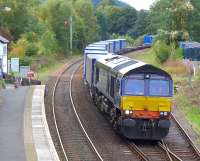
71	35
71	32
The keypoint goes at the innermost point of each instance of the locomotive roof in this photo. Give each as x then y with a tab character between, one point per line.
122	65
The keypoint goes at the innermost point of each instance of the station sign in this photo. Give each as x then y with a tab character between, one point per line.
15	64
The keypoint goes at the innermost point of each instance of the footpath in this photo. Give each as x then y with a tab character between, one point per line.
24	132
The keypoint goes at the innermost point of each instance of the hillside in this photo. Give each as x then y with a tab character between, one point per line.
116	2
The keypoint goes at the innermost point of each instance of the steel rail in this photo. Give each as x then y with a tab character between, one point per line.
168	151
79	121
186	135
134	148
53	105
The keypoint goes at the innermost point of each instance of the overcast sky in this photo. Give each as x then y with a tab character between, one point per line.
139	4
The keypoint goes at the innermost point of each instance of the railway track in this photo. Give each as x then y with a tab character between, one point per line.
176	147
99	129
179	144
73	139
70	101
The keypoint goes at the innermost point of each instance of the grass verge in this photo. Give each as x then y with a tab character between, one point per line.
52	67
191	111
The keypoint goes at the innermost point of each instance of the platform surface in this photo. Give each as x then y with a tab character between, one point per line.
11	124
24	132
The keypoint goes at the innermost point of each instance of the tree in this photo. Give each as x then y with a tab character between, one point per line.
141	24
102	21
85	14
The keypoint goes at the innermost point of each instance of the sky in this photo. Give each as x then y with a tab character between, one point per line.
139	4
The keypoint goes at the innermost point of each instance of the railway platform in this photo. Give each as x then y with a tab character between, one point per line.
24	132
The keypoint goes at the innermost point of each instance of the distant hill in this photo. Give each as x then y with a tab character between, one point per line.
116	2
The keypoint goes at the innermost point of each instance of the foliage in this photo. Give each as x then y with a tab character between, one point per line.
130	40
141	24
176	16
162	51
26	61
102	29
139	41
113	2
38	28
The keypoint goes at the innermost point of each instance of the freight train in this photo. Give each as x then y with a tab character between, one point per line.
136	96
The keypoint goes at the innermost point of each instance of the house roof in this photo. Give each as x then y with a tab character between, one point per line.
3	40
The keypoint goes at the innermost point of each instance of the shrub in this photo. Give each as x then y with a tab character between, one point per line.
130	40
18	49
161	50
26	61
178	54
31	49
139	40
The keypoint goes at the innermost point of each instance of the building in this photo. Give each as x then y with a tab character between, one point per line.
4	54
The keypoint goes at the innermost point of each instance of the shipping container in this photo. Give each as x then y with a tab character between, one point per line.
92	52
101	48
116	45
192	53
148	39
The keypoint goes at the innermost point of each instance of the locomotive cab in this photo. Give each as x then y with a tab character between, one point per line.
146	104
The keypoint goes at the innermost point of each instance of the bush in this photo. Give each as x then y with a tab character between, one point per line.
178	54
18	49
130	40
139	40
31	49
26	61
162	51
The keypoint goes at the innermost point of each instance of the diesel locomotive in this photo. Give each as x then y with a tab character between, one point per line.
136	96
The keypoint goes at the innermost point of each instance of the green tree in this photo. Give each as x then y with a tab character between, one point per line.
141	24
85	14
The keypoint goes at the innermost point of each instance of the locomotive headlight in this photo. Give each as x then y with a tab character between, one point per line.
163	113
127	112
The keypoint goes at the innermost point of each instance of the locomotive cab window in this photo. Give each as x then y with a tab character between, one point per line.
134	85
159	86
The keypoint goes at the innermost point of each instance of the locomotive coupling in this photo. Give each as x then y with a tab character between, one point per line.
164	124
128	122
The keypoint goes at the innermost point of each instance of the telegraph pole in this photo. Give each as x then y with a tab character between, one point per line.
71	35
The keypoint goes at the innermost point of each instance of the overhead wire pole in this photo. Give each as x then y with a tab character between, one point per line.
71	35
